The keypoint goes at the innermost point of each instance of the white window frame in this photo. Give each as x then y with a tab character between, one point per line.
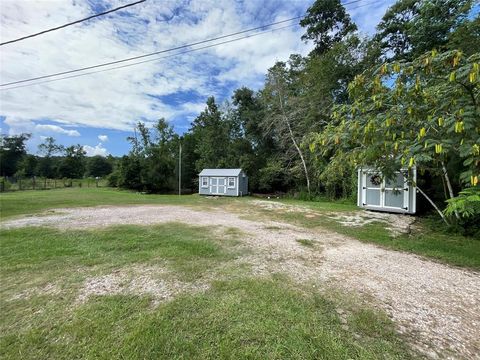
204	179
228	182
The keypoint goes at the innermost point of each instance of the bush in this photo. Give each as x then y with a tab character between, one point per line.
467	206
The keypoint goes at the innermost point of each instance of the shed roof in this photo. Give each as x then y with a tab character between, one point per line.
220	172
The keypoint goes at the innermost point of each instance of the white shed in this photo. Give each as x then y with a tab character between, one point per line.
226	182
377	193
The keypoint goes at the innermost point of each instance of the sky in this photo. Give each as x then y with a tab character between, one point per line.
99	111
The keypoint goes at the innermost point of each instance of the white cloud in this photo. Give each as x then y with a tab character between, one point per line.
56	129
95	150
103	138
118	99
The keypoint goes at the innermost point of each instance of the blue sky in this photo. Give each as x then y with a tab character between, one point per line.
100	110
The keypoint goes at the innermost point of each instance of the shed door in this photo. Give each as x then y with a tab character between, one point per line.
222	185
385	193
394	192
218	185
213	185
373	189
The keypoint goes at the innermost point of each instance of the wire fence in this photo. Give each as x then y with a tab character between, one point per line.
41	183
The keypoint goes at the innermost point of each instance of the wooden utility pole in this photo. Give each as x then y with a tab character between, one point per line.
180	170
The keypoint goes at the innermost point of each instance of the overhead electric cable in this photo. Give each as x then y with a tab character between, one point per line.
151	54
154	53
151	60
72	23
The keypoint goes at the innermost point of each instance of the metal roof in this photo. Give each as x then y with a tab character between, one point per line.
220	172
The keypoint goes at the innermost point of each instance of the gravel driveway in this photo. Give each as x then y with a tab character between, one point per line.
436	306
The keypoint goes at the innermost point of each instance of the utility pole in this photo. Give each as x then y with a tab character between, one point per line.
180	170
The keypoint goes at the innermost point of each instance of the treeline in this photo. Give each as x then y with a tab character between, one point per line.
406	97
53	161
284	135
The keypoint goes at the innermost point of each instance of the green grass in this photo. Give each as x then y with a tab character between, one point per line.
242	319
238	319
430	240
188	250
34	201
306	242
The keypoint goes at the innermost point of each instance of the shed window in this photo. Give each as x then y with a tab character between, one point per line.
231	182
204	181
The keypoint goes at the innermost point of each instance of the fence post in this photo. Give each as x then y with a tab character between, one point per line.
33	183
19	184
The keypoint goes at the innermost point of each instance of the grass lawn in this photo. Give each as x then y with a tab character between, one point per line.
33	201
429	239
45	272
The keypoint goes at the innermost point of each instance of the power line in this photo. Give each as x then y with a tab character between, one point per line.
151	54
72	23
150	60
157	52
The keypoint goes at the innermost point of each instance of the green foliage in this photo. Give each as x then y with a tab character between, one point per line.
150	166
327	23
467	206
467	203
410	27
211	133
12	149
465	37
27	166
72	166
428	116
98	166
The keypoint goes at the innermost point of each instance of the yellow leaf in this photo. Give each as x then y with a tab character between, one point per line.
458	126
474	180
452	76
476	149
472	77
411	162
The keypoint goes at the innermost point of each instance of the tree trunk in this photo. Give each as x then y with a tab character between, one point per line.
285	118
434	206
449	186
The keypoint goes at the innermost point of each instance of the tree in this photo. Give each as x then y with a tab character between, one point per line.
411	27
429	117
47	150
27	167
212	140
327	23
161	152
284	113
72	166
12	150
466	37
129	173
98	166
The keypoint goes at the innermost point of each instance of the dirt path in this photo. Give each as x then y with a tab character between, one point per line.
434	305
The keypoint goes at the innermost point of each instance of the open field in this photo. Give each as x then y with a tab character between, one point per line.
101	273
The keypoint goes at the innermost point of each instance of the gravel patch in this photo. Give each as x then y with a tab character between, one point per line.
436	306
396	223
154	281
